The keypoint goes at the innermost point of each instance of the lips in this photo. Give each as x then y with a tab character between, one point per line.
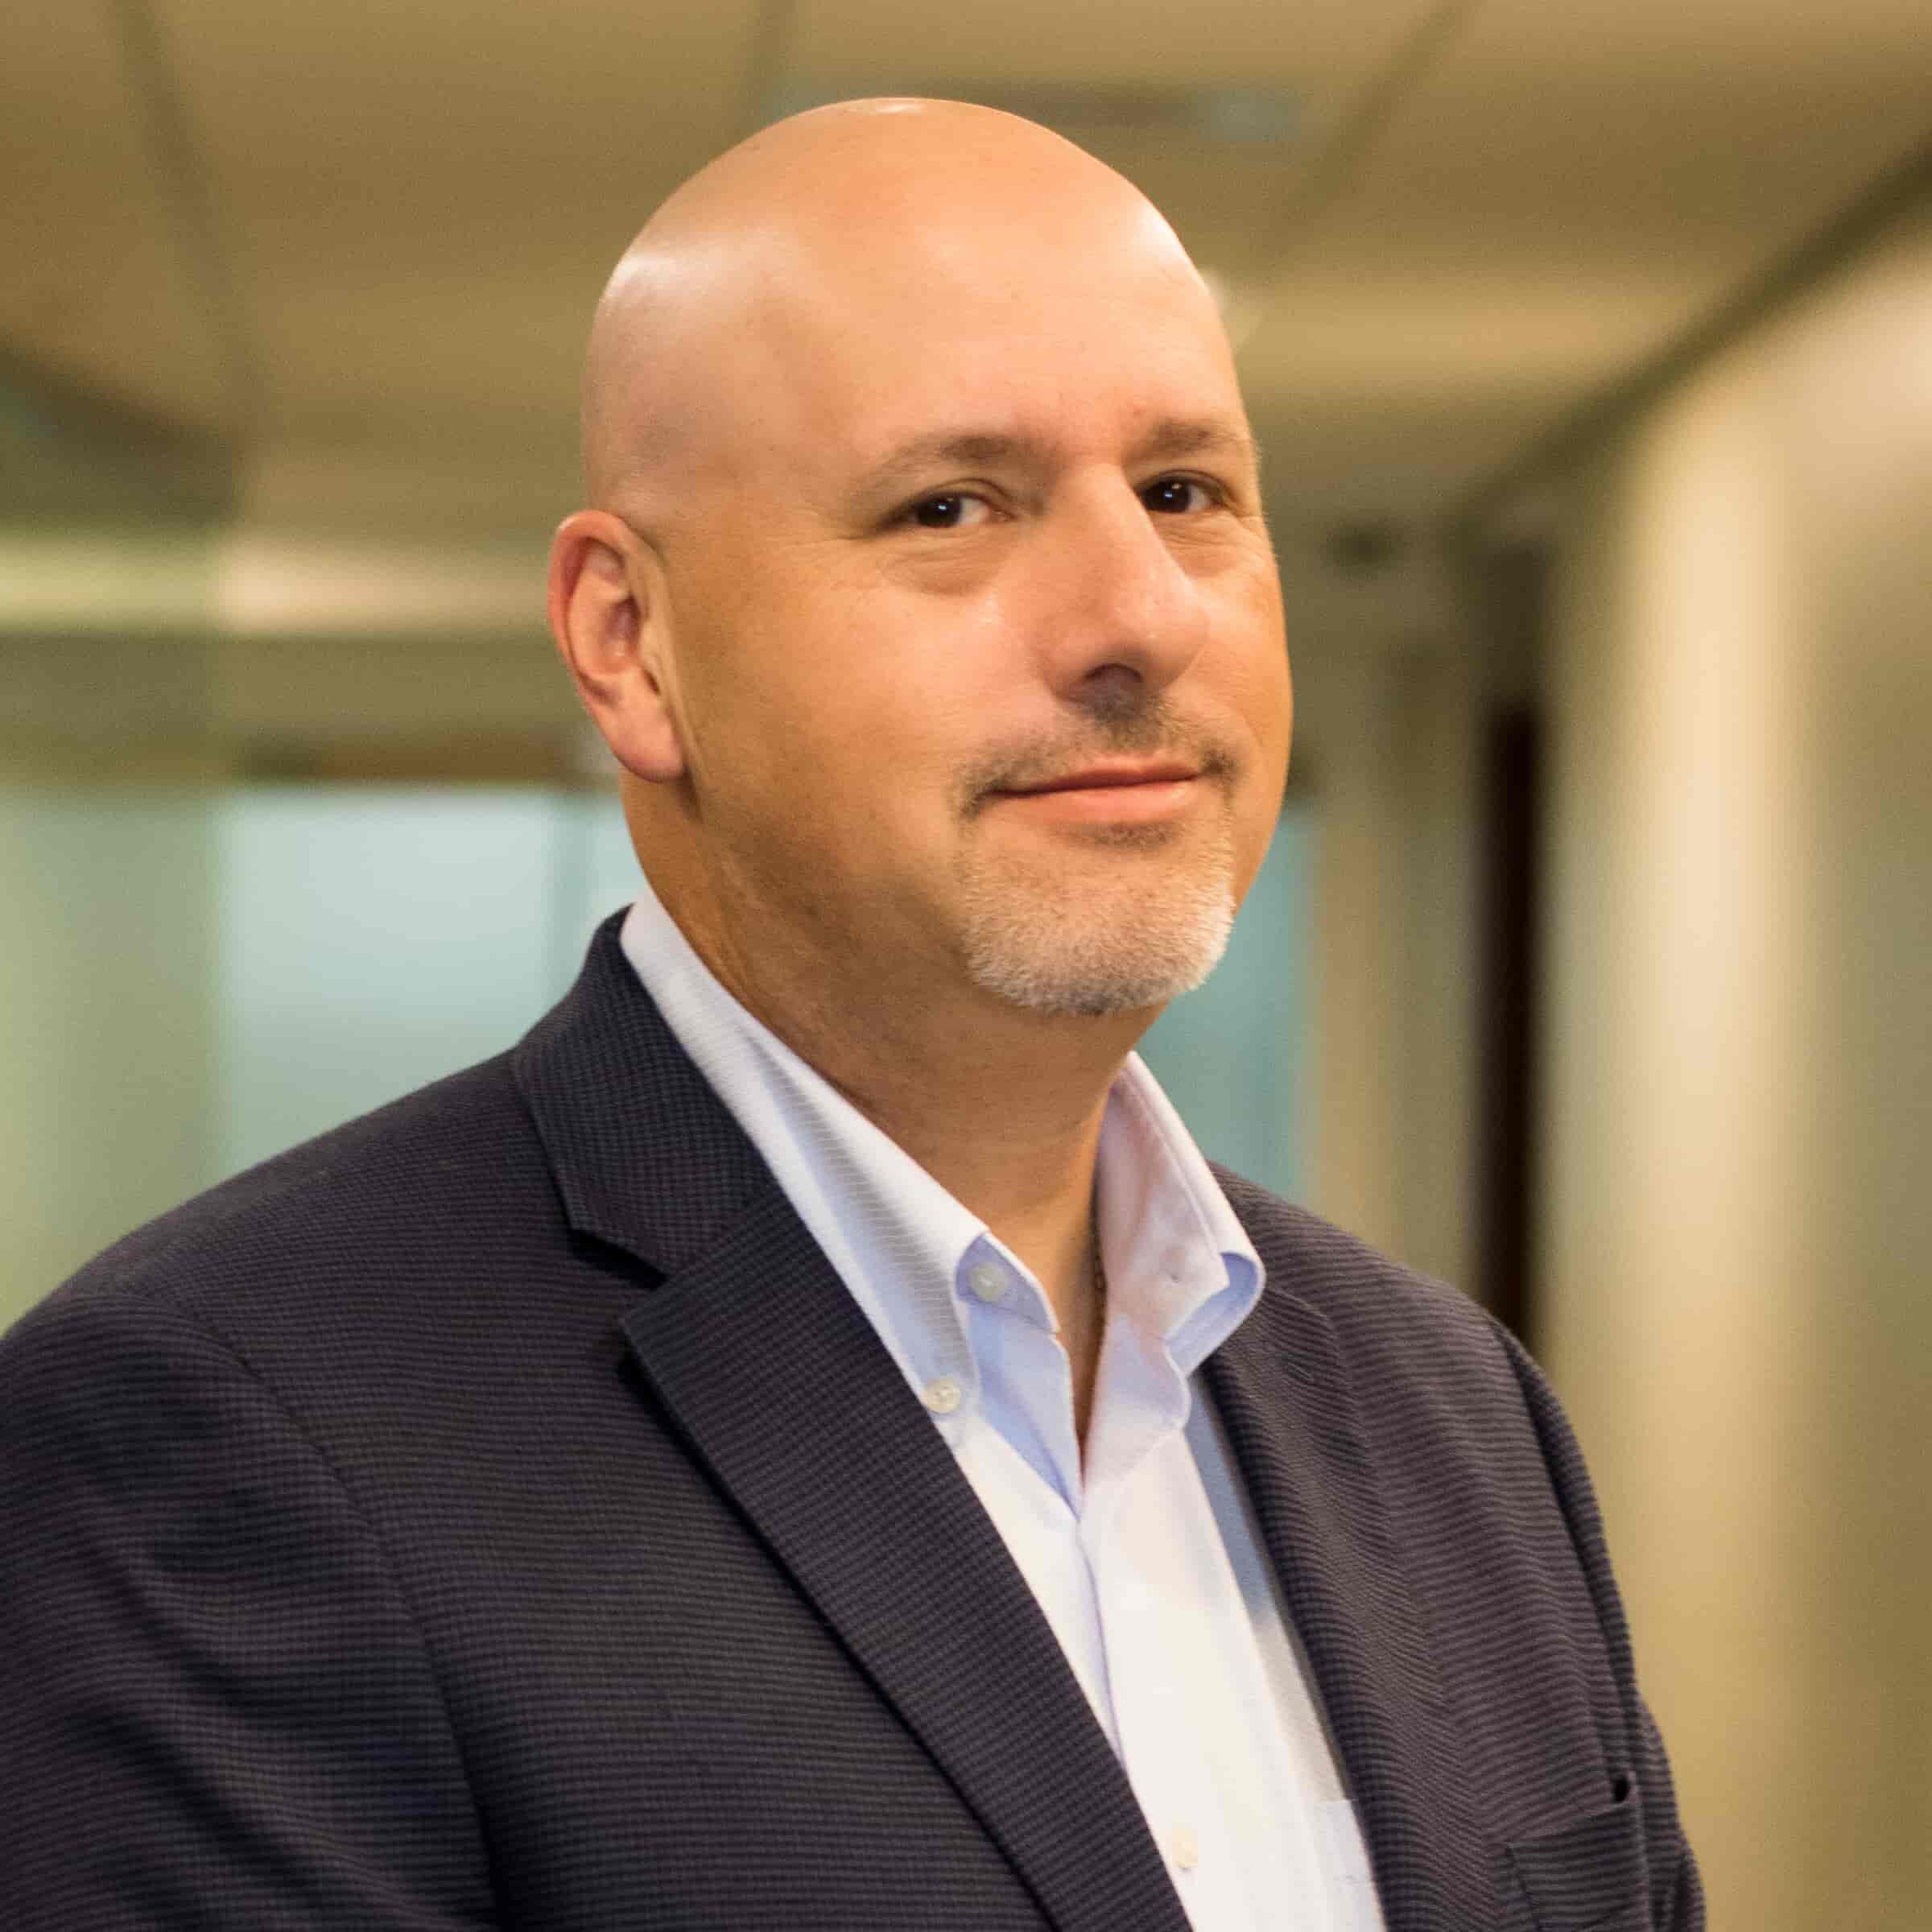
1112	777
1147	797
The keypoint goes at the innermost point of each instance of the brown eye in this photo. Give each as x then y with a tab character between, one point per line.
1174	496
950	509
941	513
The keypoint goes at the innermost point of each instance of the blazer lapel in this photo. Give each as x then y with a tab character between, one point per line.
781	1388
794	1405
1283	1390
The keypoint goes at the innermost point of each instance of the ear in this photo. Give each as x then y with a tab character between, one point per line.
607	615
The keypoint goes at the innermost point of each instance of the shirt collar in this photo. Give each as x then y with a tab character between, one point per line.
1189	1272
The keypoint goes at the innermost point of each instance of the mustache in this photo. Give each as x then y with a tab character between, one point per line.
1150	729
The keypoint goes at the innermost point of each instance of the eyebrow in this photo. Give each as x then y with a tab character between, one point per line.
1170	440
1174	437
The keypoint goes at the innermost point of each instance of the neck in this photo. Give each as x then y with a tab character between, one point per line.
1011	1128
1001	1105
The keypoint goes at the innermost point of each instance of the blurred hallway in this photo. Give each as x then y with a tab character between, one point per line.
1591	348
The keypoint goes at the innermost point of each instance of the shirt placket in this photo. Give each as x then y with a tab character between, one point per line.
1161	1746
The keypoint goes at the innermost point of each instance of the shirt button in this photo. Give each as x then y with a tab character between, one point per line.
987	1280
942	1395
1184	1848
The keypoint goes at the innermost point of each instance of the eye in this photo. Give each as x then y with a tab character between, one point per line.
950	509
1176	496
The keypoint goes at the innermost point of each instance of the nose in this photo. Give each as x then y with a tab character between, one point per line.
1119	616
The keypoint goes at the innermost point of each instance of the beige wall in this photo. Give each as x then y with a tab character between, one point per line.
1390	687
1738	1242
1389	736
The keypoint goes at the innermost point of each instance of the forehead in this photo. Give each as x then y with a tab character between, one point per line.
853	362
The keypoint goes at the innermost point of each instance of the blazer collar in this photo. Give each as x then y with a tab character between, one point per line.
645	1156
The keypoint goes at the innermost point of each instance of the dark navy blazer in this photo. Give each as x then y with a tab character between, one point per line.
497	1513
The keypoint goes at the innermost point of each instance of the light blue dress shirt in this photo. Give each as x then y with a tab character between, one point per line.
1142	1554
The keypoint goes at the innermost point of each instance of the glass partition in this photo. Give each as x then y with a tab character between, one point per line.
195	977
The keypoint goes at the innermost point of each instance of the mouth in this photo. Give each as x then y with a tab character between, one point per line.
1113	791
1112	775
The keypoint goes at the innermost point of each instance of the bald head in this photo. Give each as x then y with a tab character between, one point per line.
920	480
831	221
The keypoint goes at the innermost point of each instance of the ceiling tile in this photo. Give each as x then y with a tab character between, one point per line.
96	288
423	201
1487	214
1553	201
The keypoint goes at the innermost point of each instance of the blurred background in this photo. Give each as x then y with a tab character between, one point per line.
1590	342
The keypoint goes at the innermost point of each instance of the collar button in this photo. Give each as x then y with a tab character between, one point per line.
989	1281
942	1395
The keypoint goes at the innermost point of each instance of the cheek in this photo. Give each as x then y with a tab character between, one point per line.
1274	706
760	675
1259	694
1252	671
896	690
820	757
833	706
890	753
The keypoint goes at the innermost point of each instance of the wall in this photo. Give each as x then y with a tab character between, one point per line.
106	1034
1385	736
200	973
1739	1054
107	872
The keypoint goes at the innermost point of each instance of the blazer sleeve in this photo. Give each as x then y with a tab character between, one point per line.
1677	1900
216	1712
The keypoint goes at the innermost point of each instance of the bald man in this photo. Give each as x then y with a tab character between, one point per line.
805	1441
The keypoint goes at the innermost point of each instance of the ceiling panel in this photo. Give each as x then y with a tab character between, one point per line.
97	287
1322	57
1332	46
1557	198
1489	211
422	200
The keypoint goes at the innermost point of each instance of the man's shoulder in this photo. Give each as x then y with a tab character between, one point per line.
1461	1423
1406	1335
1340	1272
437	1171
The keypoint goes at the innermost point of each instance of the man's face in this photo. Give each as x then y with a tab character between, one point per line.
980	669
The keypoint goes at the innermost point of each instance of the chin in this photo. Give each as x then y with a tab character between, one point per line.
1130	946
